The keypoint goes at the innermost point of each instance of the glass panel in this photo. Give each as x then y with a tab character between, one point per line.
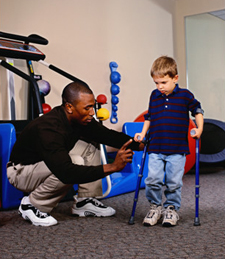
205	55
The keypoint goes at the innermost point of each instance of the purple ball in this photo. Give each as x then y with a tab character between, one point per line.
44	87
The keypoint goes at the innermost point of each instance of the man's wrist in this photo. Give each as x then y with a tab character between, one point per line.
109	169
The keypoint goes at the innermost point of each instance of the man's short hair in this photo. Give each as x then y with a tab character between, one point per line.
72	91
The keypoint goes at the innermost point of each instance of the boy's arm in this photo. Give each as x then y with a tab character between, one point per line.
200	122
140	136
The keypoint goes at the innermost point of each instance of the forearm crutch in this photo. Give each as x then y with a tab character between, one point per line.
140	175
197	186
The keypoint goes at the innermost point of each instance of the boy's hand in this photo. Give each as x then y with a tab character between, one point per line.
138	137
196	133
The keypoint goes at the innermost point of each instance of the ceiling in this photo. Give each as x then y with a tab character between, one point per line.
220	14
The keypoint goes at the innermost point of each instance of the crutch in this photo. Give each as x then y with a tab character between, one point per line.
197	186
140	175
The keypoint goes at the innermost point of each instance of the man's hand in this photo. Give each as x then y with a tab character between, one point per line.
123	156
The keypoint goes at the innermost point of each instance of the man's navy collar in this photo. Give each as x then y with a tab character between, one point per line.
175	90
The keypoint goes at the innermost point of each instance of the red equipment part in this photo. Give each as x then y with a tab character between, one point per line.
46	108
101	99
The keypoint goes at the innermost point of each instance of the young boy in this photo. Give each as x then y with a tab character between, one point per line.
168	112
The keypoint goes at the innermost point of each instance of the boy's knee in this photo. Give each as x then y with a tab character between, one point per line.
173	188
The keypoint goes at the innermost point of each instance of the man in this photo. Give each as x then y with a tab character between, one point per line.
40	163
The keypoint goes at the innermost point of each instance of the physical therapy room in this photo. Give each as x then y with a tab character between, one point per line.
112	129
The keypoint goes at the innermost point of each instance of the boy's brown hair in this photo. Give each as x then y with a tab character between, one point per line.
164	66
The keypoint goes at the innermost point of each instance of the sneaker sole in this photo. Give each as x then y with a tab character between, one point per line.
33	223
89	214
149	225
168	225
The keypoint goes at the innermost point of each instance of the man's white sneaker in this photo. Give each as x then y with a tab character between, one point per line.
170	217
91	207
153	215
34	215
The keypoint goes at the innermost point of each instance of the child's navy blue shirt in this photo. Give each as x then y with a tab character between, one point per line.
169	116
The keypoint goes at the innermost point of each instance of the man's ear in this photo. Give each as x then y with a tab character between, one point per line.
69	108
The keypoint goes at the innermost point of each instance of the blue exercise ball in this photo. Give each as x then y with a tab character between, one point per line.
115	77
114	108
115	100
115	89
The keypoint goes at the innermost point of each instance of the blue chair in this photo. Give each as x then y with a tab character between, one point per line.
126	180
10	196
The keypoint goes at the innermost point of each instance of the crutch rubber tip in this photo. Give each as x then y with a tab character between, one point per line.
197	222
131	221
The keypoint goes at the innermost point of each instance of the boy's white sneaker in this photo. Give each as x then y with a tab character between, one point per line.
170	217
153	215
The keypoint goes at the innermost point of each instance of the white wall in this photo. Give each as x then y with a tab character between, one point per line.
85	36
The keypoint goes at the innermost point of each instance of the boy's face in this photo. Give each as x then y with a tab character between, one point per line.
165	84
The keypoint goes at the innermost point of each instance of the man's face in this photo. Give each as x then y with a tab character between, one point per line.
165	84
83	109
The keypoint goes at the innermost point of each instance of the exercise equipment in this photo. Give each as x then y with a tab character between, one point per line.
101	99
102	114
10	196
11	91
212	142
46	108
18	47
115	78
26	77
125	180
115	89
44	87
140	175
21	49
115	100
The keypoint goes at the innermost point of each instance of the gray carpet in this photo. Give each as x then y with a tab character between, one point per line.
112	237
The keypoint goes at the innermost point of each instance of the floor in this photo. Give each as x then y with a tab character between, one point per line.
112	237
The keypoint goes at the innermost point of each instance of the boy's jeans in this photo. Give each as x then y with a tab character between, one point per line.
165	170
